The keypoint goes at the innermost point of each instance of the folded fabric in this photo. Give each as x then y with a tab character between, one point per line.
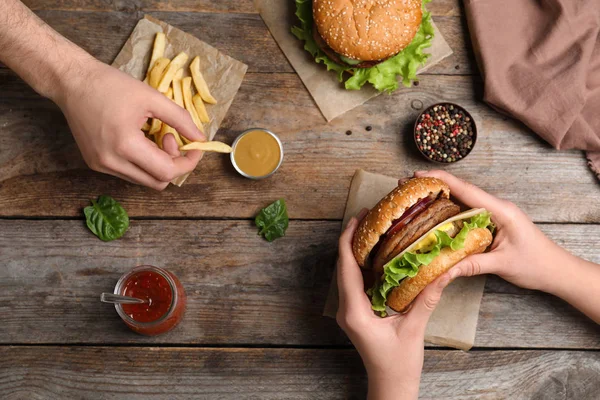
540	60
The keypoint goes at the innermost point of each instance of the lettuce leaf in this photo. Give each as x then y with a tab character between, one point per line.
408	264
382	76
304	32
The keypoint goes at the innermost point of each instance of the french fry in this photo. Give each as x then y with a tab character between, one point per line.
218	147
155	127
177	93
200	109
157	71
186	88
166	129
146	126
157	52
200	83
155	74
175	65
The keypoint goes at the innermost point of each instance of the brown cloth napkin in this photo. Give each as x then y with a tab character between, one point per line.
540	60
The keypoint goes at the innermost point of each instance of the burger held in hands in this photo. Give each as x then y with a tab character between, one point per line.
414	235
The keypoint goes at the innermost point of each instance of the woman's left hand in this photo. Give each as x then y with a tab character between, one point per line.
391	348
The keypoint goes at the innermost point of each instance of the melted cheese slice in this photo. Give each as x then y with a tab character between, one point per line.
430	240
447	224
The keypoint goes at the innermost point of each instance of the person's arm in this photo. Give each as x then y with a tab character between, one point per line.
582	287
38	54
523	255
105	108
391	348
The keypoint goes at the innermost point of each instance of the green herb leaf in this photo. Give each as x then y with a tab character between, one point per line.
106	218
384	75
272	221
408	264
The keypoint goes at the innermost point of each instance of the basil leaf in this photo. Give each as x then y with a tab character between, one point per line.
106	218
272	221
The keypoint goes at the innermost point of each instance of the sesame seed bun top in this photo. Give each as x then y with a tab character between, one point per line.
367	30
380	218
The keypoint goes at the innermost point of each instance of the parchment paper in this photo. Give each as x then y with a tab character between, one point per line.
222	73
329	94
454	321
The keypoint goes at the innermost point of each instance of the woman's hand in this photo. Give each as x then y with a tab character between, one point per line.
523	255
106	109
391	348
520	253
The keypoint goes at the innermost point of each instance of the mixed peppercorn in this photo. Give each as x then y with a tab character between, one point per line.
445	133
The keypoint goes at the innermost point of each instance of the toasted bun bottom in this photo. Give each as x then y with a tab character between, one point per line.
400	297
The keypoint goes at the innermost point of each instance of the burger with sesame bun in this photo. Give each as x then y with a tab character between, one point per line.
412	236
364	41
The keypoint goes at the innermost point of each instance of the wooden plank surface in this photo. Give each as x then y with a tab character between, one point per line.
39	159
242	36
437	7
229	6
98	373
241	289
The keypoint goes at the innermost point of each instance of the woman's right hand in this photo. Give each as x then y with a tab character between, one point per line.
520	253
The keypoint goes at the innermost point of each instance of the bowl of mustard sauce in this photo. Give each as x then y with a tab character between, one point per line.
257	153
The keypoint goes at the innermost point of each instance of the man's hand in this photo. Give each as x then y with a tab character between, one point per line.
105	108
391	348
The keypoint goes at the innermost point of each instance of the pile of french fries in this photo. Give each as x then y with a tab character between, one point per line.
166	76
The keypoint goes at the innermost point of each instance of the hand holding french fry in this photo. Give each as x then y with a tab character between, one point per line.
167	76
105	108
114	143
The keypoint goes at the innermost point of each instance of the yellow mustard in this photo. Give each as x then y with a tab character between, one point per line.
257	153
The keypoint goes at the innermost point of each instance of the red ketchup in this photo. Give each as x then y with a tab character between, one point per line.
164	295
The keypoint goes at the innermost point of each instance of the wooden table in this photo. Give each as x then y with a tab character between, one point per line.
254	328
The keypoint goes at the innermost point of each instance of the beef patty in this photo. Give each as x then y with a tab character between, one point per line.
439	211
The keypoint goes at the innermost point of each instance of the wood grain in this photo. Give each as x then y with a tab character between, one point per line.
98	373
437	7
242	36
219	6
241	289
38	157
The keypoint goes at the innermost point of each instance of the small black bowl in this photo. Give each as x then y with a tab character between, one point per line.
464	141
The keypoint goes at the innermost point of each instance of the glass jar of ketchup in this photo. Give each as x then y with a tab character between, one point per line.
164	295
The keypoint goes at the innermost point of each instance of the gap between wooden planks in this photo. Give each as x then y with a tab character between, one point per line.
242	36
241	289
181	373
39	159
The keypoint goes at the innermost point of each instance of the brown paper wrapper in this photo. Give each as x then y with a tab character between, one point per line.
329	94
454	321
222	73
